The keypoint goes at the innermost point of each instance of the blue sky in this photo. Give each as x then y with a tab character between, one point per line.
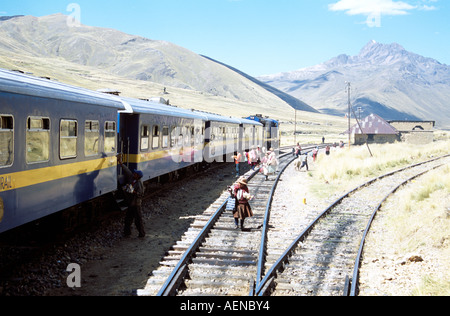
266	36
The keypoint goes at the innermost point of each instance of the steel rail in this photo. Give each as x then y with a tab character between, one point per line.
262	249
177	276
354	281
265	284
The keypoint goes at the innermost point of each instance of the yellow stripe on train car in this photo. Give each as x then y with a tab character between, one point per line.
28	178
1	209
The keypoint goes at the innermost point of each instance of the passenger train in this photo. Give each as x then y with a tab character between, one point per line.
59	143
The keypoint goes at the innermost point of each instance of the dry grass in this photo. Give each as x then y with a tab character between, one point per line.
347	167
421	224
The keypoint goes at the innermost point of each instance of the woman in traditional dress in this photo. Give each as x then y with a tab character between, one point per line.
243	209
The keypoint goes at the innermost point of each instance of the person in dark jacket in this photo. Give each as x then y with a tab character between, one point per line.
134	192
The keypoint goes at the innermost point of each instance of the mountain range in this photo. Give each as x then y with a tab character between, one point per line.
385	79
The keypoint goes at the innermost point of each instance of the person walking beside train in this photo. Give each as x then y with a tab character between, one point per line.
134	192
259	155
243	209
271	165
237	160
253	158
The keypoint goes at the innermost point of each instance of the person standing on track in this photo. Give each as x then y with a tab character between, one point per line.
243	209
134	192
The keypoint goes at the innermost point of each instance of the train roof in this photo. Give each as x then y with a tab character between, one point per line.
147	107
250	122
218	118
15	82
264	120
226	119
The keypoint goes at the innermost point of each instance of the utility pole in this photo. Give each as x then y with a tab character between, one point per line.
349	112
295	131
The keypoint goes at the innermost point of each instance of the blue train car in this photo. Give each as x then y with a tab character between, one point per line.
252	134
221	137
271	133
159	139
57	147
226	135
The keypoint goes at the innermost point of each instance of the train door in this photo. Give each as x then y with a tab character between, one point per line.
129	128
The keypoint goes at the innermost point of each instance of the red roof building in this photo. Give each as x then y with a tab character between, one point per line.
374	130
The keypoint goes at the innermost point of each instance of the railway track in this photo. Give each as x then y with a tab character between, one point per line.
324	259
214	258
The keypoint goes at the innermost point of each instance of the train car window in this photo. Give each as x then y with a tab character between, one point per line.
6	140
192	135
198	136
145	137
155	137
68	138
38	139
174	136
91	138
165	137
186	140
212	131
110	137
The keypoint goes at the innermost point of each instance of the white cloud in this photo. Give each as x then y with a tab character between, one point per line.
374	9
368	7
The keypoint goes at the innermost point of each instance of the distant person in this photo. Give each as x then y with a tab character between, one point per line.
304	162
271	164
327	150
259	155
315	153
237	160
253	158
298	150
134	192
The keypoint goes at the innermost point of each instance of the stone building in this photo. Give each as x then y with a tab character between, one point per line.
415	132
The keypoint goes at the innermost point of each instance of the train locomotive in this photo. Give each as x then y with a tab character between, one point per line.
58	144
